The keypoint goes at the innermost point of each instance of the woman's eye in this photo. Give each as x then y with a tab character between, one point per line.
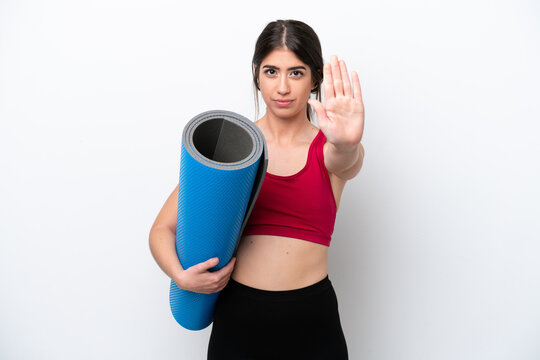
295	73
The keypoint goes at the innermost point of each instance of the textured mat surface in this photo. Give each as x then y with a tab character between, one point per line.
223	162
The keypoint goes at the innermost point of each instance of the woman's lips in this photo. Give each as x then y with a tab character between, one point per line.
283	103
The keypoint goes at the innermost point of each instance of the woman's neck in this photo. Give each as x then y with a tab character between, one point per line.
287	130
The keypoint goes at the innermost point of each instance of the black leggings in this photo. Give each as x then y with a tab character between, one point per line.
253	324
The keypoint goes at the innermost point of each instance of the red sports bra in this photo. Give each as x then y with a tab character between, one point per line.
301	205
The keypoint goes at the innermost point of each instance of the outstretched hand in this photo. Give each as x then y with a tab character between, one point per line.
342	118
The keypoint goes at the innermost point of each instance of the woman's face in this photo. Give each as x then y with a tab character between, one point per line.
282	76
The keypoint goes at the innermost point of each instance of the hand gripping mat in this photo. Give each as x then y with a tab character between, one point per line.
223	162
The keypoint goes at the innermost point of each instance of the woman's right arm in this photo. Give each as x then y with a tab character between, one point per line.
162	240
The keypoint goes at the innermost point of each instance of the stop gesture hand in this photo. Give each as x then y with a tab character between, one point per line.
341	119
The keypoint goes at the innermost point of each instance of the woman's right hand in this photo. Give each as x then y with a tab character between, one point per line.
198	279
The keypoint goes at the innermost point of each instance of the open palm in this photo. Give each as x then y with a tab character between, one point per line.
342	118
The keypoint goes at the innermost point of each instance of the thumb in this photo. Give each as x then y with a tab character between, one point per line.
209	263
319	109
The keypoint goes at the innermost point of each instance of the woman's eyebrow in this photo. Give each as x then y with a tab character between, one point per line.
291	68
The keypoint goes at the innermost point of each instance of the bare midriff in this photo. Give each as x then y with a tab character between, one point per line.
272	262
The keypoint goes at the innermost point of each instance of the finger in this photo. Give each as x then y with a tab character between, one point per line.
328	83
322	117
357	91
230	267
317	106
336	76
226	269
223	282
345	78
208	264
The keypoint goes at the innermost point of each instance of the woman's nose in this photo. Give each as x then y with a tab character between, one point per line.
283	86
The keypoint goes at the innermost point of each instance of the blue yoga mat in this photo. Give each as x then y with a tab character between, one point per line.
223	162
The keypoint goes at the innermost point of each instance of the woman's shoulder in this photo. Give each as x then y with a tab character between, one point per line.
315	130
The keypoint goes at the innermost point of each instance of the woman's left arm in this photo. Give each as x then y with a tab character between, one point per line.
341	119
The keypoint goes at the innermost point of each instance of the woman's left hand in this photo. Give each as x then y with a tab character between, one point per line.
342	119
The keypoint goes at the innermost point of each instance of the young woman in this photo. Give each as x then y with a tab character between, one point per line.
276	300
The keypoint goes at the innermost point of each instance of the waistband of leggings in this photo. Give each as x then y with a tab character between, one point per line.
310	290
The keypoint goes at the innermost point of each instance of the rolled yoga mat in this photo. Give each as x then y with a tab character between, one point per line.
223	162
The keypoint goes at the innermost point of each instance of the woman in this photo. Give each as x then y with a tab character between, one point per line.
276	299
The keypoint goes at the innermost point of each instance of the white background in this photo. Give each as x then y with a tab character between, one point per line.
436	246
